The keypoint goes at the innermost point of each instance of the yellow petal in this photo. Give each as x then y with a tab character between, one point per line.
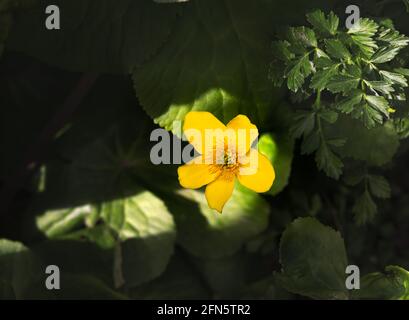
195	125
219	191
263	177
196	175
246	133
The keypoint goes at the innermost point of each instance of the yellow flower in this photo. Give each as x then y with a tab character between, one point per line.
226	153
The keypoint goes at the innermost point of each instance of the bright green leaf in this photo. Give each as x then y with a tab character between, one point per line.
393	284
279	150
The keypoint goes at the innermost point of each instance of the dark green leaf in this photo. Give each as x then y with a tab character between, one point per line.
376	146
244	216
347	105
379	186
96	35
302	36
364	209
328	161
323	24
313	260
343	83
298	70
321	78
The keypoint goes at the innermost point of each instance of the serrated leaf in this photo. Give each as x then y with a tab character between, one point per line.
328	161
343	83
369	115
310	143
376	146
394	78
313	260
381	86
323	62
403	71
379	104
304	123
336	49
298	70
347	105
385	54
328	115
302	36
321	78
280	50
393	38
362	36
323	24
364	209
379	186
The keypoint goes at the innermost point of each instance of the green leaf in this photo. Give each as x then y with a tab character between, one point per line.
96	35
244	216
180	281
376	146
302	36
393	284
343	83
381	86
402	71
394	78
336	49
145	227
321	24
379	187
202	42
347	105
393	38
364	209
281	51
379	104
55	223
304	123
321	78
328	115
385	54
370	116
313	260
328	161
19	269
298	70
362	36
279	150
141	224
